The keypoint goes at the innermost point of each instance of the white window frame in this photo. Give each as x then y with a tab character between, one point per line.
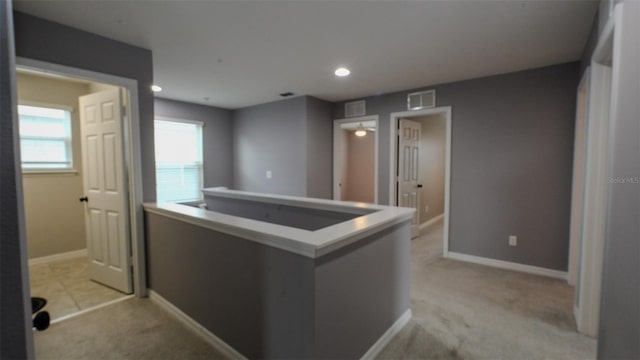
186	121
69	143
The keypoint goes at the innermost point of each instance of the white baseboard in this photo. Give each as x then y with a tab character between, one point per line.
431	221
58	257
375	350
200	330
508	265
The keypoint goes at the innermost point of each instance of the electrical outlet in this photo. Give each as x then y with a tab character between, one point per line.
426	209
513	240
268	174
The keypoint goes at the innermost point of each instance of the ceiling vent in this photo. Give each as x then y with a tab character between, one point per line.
355	108
421	100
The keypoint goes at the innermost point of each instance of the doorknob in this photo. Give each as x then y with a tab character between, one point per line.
419	185
84	199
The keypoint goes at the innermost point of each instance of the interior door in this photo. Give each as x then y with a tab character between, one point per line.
105	189
409	169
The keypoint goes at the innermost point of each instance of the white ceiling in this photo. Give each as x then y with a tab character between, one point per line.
240	53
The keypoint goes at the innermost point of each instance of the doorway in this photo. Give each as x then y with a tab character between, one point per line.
52	174
355	159
71	253
427	163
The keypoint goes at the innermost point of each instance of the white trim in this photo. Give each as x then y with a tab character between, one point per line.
372	219
588	289
58	257
393	157
93	308
338	143
132	150
194	326
431	222
47	105
507	265
578	182
67	172
179	120
388	335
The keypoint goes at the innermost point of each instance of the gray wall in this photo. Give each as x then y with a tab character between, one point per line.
271	137
619	333
217	137
16	341
47	41
512	148
590	46
319	160
432	165
292	138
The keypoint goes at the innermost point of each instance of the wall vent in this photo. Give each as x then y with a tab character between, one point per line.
355	108
421	100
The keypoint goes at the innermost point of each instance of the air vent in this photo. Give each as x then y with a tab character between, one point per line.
355	108
421	100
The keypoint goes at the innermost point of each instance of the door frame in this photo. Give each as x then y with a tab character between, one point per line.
589	283
578	195
132	161
337	144
393	162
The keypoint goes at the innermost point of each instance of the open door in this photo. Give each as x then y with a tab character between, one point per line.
105	191
409	169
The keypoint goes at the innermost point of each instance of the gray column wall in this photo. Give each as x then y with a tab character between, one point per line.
217	136
619	333
512	153
16	339
319	160
47	41
271	137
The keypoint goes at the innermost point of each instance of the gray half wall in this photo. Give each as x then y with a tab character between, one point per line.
217	137
512	148
43	40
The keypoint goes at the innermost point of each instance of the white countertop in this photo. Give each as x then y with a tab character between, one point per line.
312	244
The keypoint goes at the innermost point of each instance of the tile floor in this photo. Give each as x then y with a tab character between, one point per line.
66	286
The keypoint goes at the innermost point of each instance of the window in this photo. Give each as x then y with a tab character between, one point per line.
45	138
178	148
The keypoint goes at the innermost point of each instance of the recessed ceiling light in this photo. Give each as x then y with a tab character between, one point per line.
342	72
156	88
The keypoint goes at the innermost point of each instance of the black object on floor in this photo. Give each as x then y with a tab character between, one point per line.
41	318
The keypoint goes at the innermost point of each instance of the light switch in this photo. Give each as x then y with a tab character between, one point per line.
268	174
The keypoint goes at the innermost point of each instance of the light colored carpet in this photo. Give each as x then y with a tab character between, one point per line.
469	311
460	311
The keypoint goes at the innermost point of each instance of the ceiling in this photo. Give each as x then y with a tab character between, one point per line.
233	54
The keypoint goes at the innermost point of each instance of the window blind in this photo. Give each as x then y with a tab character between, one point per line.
178	148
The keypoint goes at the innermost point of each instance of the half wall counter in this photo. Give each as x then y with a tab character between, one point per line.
273	276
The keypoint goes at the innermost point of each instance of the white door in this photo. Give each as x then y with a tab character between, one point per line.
105	190
408	169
